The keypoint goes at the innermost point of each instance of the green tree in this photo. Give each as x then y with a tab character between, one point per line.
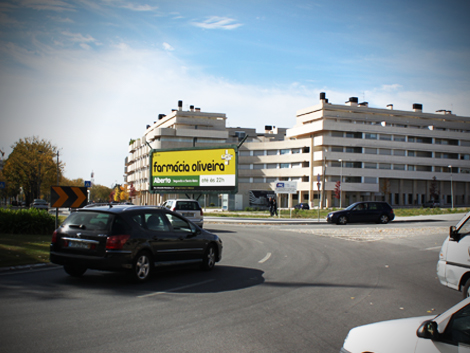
32	166
99	193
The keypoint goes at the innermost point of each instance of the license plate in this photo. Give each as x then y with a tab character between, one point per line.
78	245
187	214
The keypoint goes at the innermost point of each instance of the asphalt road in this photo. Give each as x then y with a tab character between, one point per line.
279	288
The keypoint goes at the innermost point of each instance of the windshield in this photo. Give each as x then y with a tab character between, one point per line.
350	207
89	220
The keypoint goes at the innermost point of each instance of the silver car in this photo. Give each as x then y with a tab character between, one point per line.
187	208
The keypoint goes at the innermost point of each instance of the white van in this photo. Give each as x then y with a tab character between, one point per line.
453	267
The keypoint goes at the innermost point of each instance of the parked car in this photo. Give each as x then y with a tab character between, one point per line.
132	238
431	204
453	266
363	212
302	206
191	209
448	332
39	203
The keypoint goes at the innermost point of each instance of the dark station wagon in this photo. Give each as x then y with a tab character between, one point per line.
363	212
132	238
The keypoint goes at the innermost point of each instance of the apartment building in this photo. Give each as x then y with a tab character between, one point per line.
403	157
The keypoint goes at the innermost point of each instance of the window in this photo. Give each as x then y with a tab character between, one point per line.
336	149
370	180
337	133
155	222
385	166
399	166
258	166
244	166
354	135
371	136
370	165
243	180
285	165
285	151
258	153
272	152
385	137
349	179
178	224
457	331
423	154
353	149
352	164
271	166
411	168
399	138
411	153
385	151
423	168
370	150
258	180
296	150
399	152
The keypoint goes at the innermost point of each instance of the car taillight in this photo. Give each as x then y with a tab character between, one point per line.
116	242
54	237
202	213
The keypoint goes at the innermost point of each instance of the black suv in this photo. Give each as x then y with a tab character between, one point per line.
363	212
133	238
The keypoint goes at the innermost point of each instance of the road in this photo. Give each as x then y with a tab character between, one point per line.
279	288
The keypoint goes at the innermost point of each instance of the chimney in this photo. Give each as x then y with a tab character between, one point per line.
161	116
180	105
191	108
417	107
390	106
147	127
322	96
364	104
198	109
352	102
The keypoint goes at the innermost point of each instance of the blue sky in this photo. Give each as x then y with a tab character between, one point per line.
90	75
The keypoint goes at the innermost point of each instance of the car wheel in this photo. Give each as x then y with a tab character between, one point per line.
466	289
208	260
384	219
75	271
142	266
342	220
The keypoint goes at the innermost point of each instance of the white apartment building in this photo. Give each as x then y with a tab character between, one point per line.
401	157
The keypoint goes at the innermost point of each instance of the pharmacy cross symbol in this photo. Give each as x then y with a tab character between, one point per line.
226	157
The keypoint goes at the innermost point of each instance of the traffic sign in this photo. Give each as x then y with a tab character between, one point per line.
68	196
2	185
87	183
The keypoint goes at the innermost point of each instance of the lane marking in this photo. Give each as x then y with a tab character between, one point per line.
434	248
268	255
176	289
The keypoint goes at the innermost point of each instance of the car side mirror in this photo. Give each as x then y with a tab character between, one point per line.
454	234
428	329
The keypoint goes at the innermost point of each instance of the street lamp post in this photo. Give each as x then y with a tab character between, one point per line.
451	187
57	208
341	185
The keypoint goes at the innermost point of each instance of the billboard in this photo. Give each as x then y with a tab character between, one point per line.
286	187
207	170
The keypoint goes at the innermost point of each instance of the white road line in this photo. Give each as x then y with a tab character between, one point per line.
433	248
176	289
268	255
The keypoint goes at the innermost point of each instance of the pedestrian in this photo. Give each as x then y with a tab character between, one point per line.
271	206
274	207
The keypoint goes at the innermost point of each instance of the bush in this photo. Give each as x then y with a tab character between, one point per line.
26	221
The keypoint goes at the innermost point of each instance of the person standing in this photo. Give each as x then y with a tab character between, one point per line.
274	212
271	206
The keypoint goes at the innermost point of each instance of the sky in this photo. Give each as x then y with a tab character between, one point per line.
89	75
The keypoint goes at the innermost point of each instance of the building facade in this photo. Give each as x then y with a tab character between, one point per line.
336	154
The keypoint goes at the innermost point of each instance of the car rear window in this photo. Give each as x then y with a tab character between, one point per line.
188	206
90	220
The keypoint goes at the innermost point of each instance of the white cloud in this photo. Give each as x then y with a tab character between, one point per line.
216	22
168	47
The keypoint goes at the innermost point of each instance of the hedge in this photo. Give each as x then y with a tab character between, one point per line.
26	221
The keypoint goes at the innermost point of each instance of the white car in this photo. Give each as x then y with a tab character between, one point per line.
187	208
453	267
445	333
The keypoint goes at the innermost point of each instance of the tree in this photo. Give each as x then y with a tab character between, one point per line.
99	193
338	190
32	166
